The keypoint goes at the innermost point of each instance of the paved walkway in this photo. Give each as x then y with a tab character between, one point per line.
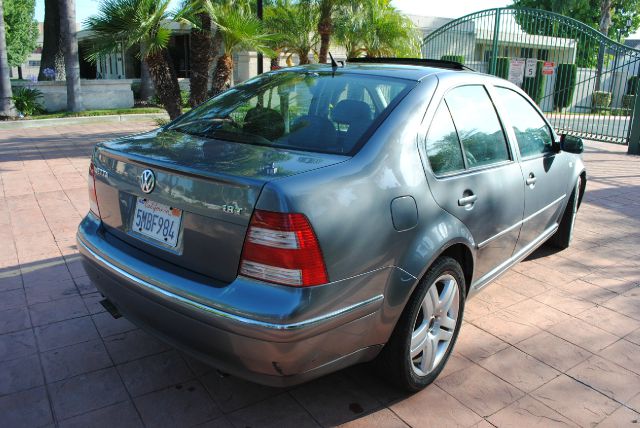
554	342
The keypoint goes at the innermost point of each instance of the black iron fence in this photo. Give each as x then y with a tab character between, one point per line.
585	82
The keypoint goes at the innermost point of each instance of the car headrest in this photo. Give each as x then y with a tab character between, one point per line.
265	122
313	132
351	112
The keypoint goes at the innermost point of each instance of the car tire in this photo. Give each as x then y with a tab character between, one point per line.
425	334
563	236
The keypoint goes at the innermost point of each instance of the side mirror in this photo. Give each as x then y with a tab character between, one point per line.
571	144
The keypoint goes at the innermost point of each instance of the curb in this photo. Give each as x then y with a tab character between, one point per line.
62	121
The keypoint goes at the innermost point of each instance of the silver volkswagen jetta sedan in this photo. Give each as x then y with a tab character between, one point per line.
317	217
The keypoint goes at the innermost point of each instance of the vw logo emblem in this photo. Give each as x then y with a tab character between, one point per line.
147	181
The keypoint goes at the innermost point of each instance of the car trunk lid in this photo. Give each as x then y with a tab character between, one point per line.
215	184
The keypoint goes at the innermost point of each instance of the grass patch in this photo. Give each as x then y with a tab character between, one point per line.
115	111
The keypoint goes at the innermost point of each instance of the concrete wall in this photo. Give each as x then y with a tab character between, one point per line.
96	94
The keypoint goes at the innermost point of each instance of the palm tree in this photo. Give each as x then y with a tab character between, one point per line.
325	26
200	49
350	26
70	48
6	108
294	25
240	30
122	24
375	28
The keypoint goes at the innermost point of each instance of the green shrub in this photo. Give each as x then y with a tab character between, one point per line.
628	101
454	58
27	100
600	101
566	75
184	98
502	67
632	85
620	112
534	86
135	88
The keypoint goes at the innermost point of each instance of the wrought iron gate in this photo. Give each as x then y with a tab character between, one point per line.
585	82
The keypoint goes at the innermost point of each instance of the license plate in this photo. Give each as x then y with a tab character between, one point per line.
157	221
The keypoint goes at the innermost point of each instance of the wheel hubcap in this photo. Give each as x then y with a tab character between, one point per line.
434	325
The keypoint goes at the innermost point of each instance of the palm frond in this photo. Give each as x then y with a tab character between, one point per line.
121	24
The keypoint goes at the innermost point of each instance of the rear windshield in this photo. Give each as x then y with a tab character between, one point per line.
303	110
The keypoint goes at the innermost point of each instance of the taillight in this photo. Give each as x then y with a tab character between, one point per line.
282	248
93	197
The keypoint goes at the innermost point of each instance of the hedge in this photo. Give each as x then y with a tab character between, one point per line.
566	76
534	86
628	101
632	85
600	101
454	58
502	67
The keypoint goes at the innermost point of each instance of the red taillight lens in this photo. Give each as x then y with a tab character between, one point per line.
93	197
282	248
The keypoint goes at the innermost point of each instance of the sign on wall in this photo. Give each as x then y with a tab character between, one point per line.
516	71
548	67
530	67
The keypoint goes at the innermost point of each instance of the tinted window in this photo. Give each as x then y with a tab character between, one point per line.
478	126
443	146
532	132
315	111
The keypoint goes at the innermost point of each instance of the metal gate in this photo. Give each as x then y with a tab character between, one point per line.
585	82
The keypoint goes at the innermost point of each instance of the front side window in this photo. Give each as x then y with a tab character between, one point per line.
443	146
478	126
532	132
315	111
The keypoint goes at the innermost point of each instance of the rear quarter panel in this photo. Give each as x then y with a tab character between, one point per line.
349	206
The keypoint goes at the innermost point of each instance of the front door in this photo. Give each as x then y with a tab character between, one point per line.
475	176
545	171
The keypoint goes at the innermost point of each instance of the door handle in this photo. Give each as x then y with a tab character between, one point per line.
467	200
531	180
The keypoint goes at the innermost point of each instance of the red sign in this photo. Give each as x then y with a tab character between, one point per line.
548	67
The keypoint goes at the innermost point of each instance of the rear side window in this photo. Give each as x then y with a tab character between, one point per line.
443	146
478	126
532	133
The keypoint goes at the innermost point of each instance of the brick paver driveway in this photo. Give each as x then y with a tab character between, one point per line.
556	341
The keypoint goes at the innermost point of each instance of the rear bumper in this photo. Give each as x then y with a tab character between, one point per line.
267	334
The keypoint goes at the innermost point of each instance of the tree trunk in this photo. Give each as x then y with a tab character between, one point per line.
201	59
146	82
325	28
221	79
52	42
303	58
217	50
605	24
6	104
165	81
70	46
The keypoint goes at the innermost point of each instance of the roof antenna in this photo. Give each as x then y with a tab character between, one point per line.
334	64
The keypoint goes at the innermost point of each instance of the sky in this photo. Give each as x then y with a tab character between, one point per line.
446	9
443	8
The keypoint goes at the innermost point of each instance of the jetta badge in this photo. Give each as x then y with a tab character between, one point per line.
147	181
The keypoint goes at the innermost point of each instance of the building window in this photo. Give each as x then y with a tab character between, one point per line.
527	53
34	63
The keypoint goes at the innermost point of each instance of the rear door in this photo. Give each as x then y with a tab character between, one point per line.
545	171
475	176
